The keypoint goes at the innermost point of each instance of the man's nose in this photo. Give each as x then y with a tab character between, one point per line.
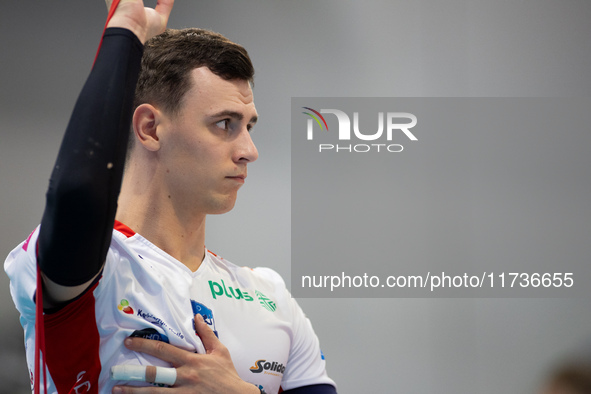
246	150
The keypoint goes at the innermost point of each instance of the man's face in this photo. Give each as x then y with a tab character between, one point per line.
207	146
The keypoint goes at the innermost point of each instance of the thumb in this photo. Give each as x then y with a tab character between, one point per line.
208	337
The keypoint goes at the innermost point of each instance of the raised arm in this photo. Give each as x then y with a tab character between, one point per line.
84	186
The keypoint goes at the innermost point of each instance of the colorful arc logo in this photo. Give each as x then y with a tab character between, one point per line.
316	118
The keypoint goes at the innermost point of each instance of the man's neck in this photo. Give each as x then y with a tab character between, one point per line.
153	216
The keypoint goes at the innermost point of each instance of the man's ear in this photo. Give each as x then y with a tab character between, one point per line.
146	119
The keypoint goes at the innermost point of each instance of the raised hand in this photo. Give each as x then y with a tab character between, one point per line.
144	22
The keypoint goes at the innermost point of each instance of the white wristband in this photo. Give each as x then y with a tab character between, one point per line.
140	373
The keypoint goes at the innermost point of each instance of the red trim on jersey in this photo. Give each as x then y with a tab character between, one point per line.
40	362
72	346
26	244
123	229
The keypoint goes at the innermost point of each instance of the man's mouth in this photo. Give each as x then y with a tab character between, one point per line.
237	178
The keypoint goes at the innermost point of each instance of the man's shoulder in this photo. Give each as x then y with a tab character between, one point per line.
23	255
21	267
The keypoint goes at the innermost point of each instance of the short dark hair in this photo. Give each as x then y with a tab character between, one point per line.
170	57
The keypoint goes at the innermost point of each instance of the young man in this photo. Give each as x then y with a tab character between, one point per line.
152	277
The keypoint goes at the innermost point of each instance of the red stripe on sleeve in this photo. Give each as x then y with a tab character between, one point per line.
72	346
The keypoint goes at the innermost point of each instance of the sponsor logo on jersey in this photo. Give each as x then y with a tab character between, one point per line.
206	313
124	307
268	367
220	289
150	333
265	301
150	318
82	386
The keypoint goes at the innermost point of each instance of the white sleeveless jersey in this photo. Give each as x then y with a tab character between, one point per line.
145	292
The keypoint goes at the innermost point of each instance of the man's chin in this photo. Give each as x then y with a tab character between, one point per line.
223	206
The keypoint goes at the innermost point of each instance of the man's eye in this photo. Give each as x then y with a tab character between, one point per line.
223	124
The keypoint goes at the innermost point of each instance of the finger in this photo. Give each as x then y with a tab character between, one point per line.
210	341
142	373
158	349
164	7
138	390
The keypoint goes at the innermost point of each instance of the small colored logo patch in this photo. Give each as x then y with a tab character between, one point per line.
124	307
206	313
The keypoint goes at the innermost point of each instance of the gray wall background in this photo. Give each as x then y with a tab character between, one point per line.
429	48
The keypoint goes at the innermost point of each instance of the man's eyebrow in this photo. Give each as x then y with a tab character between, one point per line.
234	115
